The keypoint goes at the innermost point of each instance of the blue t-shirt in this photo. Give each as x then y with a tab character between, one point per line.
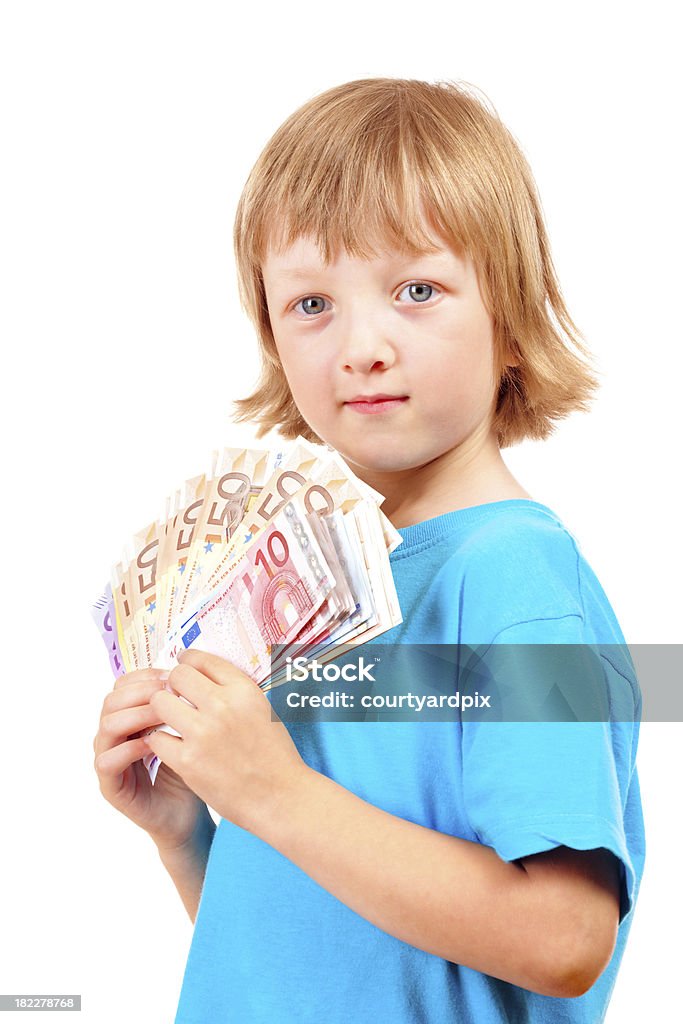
271	946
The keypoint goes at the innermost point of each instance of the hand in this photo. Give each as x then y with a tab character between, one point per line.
232	750
169	811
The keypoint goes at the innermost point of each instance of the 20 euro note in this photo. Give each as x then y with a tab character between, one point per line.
105	619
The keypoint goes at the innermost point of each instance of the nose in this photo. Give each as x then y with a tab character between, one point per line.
365	343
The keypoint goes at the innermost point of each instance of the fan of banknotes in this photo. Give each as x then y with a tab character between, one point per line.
270	551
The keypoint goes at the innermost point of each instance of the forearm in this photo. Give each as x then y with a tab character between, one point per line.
451	897
186	864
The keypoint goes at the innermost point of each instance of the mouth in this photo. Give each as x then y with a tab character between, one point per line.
376	403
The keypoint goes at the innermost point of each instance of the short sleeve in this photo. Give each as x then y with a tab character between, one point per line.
530	786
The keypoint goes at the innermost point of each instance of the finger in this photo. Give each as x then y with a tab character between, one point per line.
217	669
109	764
139	676
174	711
192	684
121	725
131	696
135	697
167	748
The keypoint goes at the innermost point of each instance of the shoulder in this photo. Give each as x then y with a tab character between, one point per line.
526	559
510	530
517	563
481	570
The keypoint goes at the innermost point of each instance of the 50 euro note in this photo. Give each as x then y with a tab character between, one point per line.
123	613
279	582
155	579
331	486
180	535
360	547
237	477
289	473
136	595
141	578
392	537
160	568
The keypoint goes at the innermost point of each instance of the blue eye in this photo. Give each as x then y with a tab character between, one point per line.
308	299
311	305
422	291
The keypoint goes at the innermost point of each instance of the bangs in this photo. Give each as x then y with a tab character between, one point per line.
361	219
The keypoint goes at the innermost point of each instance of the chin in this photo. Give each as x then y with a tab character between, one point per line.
377	461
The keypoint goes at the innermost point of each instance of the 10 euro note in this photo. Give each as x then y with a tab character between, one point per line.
278	583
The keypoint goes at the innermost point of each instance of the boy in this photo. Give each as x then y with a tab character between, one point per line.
392	255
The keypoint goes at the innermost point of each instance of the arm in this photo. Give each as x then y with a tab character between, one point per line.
186	864
547	923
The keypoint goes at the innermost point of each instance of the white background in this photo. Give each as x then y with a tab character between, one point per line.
127	131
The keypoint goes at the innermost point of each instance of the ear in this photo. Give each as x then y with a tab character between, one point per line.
506	362
509	358
506	347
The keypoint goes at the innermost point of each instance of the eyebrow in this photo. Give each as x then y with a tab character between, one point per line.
302	273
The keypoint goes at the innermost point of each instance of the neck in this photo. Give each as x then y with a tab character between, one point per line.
474	473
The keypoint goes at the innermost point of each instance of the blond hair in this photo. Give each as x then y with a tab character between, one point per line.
374	159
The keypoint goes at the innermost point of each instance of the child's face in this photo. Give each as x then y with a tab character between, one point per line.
414	327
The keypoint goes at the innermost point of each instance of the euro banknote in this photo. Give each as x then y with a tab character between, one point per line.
264	549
